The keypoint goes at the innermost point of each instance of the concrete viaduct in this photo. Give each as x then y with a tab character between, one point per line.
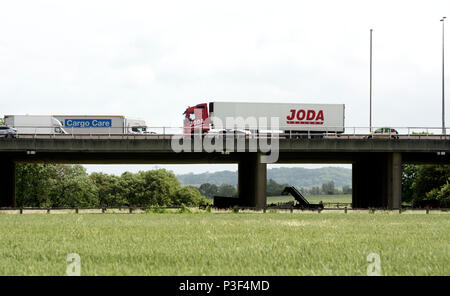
377	163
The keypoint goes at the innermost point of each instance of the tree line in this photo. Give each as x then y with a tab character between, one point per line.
294	176
60	185
272	189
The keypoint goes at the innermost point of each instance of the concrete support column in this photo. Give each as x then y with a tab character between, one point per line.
377	181
7	183
394	181
252	180
360	181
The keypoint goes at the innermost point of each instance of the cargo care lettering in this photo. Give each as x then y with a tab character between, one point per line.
87	123
305	117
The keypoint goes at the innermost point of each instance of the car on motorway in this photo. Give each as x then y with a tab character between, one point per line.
7	132
384	133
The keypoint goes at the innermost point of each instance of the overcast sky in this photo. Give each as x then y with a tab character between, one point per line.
150	59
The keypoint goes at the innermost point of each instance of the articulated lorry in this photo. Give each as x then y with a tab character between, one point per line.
292	118
34	124
102	124
75	124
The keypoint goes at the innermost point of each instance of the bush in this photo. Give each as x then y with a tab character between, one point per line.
440	194
184	209
189	196
444	195
432	195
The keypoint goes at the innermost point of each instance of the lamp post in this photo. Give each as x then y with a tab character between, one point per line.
443	82
370	115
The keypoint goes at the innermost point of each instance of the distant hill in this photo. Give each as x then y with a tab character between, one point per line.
300	177
218	178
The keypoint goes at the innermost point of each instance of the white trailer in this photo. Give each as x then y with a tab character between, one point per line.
291	117
101	124
34	124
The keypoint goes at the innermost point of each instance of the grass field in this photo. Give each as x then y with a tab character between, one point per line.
340	198
226	243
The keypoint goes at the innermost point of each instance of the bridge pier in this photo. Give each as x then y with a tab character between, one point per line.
7	183
252	181
377	181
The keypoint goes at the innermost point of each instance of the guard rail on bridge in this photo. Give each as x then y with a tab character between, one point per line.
167	132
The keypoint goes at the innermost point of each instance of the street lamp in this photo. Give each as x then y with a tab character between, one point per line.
443	88
370	81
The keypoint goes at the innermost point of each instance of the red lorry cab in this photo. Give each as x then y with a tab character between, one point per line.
196	118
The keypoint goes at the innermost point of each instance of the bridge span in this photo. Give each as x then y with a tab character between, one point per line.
376	163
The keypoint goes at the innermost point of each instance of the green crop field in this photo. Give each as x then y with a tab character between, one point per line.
225	243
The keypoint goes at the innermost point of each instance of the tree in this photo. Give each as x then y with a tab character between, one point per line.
227	190
110	192
429	177
35	184
131	188
208	190
160	187
328	188
346	189
315	190
76	191
274	189
409	174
